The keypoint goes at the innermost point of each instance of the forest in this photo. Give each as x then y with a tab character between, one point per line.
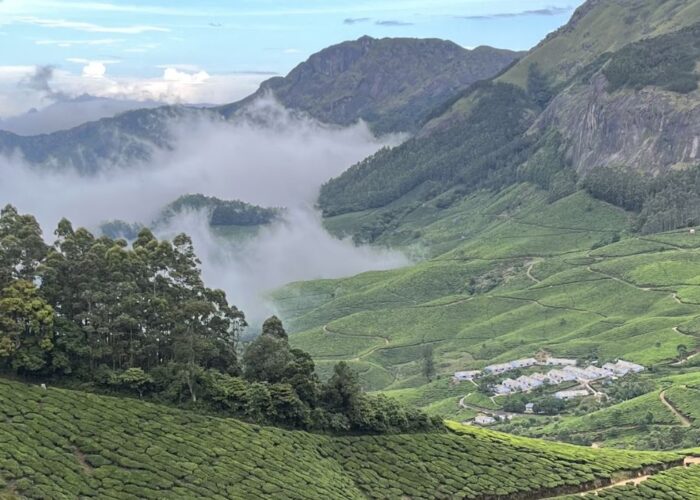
101	315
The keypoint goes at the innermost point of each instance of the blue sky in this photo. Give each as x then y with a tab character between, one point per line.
131	40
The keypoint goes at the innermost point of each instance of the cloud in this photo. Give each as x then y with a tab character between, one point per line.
94	69
21	88
175	75
270	157
69	113
356	20
549	11
216	25
391	22
291	51
40	82
74	43
90	27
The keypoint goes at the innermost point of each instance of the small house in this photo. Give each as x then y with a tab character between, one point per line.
566	395
484	420
466	375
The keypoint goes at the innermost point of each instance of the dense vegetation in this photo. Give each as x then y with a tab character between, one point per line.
221	212
667	61
482	148
513	274
66	444
663	203
140	320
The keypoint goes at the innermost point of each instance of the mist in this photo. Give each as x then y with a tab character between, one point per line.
69	113
269	156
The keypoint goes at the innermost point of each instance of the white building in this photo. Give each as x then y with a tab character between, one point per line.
557	377
622	367
484	420
498	368
467	375
530	408
560	362
566	395
523	363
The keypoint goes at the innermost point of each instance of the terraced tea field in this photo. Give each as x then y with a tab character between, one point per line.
502	285
65	444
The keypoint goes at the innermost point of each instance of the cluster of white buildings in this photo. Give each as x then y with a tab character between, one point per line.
568	373
500	368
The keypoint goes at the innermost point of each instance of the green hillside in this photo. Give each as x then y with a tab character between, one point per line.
526	125
601	26
65	444
512	275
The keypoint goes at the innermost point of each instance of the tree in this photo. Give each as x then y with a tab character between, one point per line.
428	362
135	379
266	359
682	351
538	86
274	328
341	392
26	327
22	246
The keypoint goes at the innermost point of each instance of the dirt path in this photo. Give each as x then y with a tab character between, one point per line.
328	331
684	420
529	270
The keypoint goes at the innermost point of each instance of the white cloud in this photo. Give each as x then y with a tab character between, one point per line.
94	69
175	75
90	27
173	86
291	51
73	43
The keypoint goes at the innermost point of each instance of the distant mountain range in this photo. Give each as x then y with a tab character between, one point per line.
65	114
392	84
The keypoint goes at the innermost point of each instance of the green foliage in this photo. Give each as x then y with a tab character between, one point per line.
538	86
139	320
65	444
666	61
26	328
222	212
481	148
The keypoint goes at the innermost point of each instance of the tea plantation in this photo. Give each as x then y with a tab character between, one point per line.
65	444
511	274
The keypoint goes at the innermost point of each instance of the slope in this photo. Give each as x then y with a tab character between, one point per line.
59	443
606	89
391	83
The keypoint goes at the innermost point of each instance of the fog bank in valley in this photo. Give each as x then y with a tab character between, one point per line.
269	157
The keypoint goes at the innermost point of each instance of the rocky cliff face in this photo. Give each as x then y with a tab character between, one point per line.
649	130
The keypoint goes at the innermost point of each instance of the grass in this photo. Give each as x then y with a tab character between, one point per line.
508	275
67	444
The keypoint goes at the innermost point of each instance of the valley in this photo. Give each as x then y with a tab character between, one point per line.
406	269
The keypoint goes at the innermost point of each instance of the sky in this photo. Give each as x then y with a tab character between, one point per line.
213	52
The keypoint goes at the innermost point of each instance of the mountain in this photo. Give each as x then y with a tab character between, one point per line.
550	209
391	83
70	113
67	444
604	90
126	139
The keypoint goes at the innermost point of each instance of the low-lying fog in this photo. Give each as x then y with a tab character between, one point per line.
271	158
